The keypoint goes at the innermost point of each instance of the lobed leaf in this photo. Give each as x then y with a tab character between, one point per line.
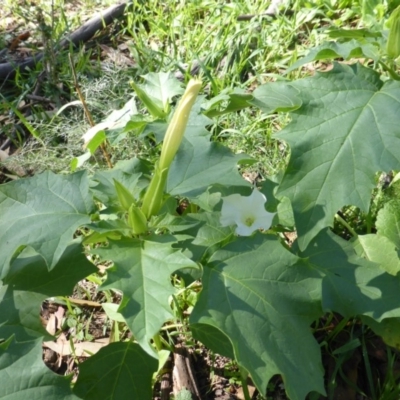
23	374
380	250
42	212
119	371
200	163
352	285
276	96
263	298
142	271
29	283
332	50
343	133
388	222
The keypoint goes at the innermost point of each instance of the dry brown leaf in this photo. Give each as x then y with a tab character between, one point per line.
116	56
82	349
3	155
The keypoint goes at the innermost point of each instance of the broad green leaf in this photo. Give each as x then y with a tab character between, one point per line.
213	338
174	223
111	310
352	33
29	283
157	128
118	371
284	214
211	232
113	226
153	105
142	271
162	86
23	374
343	133
232	100
157	92
263	298
104	190
116	121
197	122
388	222
42	212
283	208
388	329
379	249
200	163
333	50
352	285
276	96
208	200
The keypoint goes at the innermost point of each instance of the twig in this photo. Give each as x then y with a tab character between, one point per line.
166	380
87	112
81	35
38	98
182	373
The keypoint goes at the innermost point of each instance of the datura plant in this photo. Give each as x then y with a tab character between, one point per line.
192	220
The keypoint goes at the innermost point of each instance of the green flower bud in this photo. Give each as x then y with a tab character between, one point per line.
137	220
176	128
393	42
125	197
153	198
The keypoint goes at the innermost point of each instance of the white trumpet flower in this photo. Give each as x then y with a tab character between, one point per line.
246	212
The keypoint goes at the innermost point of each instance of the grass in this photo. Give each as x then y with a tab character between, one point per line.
163	36
166	36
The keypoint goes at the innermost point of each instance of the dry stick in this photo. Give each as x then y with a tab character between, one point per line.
87	112
166	379
81	35
183	374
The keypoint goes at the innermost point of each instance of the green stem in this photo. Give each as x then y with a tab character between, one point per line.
153	199
157	342
243	377
391	72
368	368
346	225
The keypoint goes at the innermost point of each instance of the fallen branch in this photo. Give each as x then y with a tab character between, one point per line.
81	35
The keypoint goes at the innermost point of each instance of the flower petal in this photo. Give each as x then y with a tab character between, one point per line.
244	230
230	209
239	210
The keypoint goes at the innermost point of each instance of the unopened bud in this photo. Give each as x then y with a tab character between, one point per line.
393	42
125	197
137	220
